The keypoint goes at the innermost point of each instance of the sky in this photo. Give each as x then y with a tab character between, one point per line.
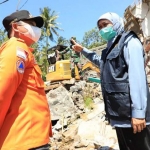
75	16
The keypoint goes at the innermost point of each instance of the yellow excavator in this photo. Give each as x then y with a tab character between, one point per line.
59	71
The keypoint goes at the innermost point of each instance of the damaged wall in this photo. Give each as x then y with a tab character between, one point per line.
136	18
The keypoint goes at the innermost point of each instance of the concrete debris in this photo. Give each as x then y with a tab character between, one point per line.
78	119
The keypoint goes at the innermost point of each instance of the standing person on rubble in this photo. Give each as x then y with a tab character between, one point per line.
123	81
25	121
74	59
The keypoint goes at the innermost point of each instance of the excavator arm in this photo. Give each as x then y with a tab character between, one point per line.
89	65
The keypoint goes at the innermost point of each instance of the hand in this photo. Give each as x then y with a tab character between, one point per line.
76	46
138	124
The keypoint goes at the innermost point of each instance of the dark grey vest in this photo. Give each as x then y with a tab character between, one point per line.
114	80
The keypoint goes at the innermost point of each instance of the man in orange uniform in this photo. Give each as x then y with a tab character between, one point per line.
25	121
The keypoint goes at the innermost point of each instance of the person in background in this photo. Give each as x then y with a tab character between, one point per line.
25	121
123	82
74	59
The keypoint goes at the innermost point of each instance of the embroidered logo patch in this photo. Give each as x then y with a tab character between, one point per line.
20	66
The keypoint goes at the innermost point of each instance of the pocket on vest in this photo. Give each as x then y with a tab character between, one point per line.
119	105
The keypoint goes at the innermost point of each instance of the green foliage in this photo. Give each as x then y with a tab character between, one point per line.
67	56
88	101
50	25
92	39
88	97
49	29
61	40
41	58
36	52
3	36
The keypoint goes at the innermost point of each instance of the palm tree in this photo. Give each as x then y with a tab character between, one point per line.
62	40
50	25
50	28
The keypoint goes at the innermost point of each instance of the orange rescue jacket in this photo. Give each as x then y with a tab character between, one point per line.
24	112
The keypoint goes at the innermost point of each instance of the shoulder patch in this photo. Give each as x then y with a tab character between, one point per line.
20	66
21	53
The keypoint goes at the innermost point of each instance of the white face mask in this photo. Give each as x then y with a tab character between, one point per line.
33	32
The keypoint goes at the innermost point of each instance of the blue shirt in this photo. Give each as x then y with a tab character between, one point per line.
133	54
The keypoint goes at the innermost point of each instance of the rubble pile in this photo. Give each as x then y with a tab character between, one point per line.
78	119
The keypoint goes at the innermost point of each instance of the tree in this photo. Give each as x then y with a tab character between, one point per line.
49	29
61	40
3	36
50	25
92	39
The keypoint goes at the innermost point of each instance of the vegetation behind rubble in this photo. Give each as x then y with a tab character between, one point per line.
50	33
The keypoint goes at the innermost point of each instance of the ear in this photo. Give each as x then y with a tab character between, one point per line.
15	27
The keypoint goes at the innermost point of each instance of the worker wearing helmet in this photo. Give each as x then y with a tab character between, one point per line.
74	59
